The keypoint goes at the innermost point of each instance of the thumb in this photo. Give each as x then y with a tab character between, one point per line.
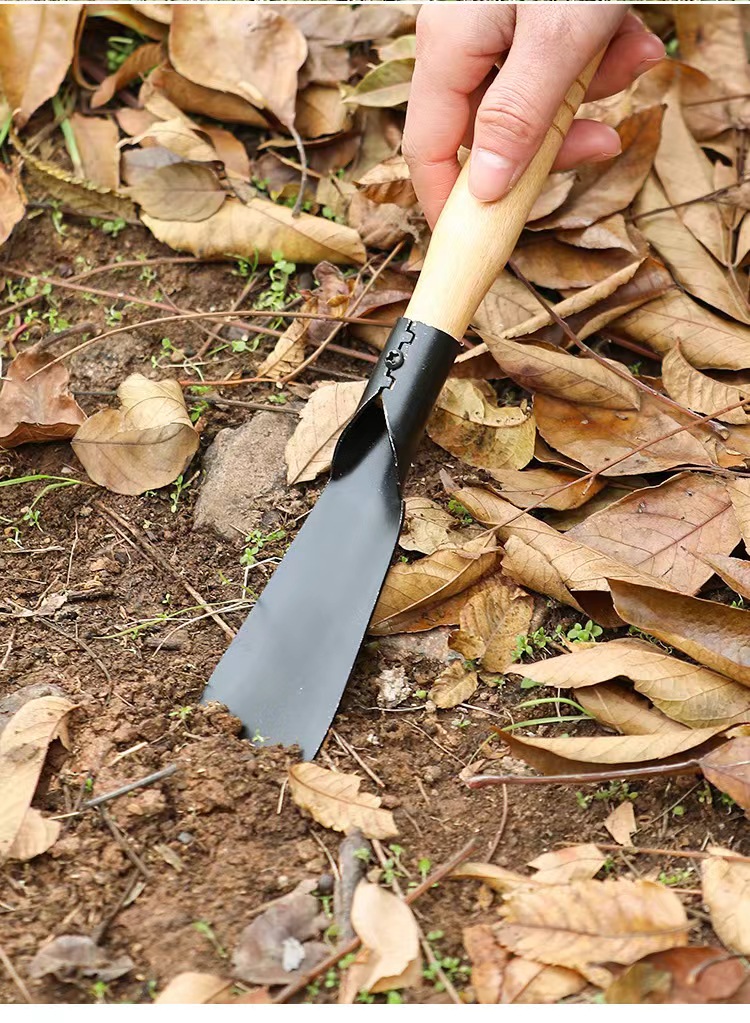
518	109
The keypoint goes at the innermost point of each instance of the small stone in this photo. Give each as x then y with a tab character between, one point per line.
185	837
245	469
282	881
433	773
389	801
393	687
326	884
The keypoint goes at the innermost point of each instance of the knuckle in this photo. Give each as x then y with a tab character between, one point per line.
509	120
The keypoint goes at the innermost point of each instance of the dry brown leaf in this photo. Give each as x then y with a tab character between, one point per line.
334	801
261	53
693	267
699	975
714	42
179	191
130	16
137	164
663	530
573	863
454	685
325	65
499	879
231	152
143	445
321	111
726	893
507	304
39	409
431	580
689	693
728	768
389	181
468	422
537	487
550	263
711	633
195	99
579	754
259	228
380	226
590	922
490	622
12	202
38	42
193	989
707	341
427	526
620	823
607	440
609	233
608	187
23	750
387	85
390	941
71	957
180	137
555	191
624	711
547	370
488	962
686	175
141	60
701	393
96	139
734	571
739	491
328	410
539	557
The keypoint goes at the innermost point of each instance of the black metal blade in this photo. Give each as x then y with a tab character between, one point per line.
285	671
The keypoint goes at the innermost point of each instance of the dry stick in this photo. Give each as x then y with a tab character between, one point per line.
437	875
126	847
685	854
707	197
426	947
160	560
501	830
350	751
481	781
15	976
104	925
150	779
622	373
84	646
324	344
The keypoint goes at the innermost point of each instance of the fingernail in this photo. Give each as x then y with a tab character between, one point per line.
490	175
646	65
614	148
656	46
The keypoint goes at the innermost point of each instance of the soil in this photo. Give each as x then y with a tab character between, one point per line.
220	837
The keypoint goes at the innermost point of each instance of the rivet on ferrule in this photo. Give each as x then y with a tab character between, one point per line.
394	360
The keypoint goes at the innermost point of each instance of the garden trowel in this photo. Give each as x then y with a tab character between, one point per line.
285	671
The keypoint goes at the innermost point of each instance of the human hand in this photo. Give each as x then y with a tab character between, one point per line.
458	97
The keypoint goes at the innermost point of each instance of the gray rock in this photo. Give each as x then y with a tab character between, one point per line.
245	473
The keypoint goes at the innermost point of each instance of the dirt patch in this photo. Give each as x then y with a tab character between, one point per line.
219	838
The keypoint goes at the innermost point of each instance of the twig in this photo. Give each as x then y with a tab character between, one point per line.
79	642
15	977
481	781
437	875
349	749
303	169
126	847
350	871
104	925
8	648
501	830
685	854
162	562
150	779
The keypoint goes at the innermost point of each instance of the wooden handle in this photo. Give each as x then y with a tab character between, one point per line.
473	240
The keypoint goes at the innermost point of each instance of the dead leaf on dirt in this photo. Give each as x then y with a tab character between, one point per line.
489	625
499	879
715	44
179	191
488	962
688	693
328	410
387	85
141	60
12	202
550	263
193	989
73	956
334	800
726	893
279	945
547	370
321	111
734	571
707	341
538	487
685	976
389	181
691	264
624	711
620	823
261	53
578	754
608	440
454	685
196	99
468	422
143	445
506	304
573	863
380	226
37	50
609	233
96	139
427	526
701	393
608	187
663	530
711	633
40	409
390	941
178	136
590	922
259	228
728	768
431	580
23	750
